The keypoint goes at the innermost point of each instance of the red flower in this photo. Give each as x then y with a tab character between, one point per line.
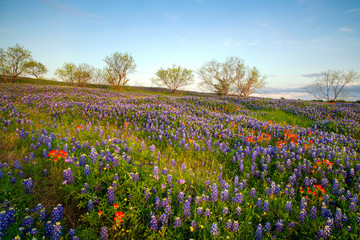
100	213
116	205
119	216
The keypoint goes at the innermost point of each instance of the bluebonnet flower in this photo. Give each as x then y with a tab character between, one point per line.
68	176
238	211
313	213
258	232
252	192
338	218
86	170
228	224
279	225
104	233
57	214
56	231
235	226
153	221
265	207
186	209
288	206
177	222
267	227
90	205
214	230
214	193
164	220
225	211
180	197
224	195
207	212
28	183
28	222
199	211
258	203
111	195
302	216
238	198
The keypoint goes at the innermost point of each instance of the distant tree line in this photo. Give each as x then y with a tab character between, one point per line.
223	78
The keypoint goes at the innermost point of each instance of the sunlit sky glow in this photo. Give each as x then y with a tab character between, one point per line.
290	41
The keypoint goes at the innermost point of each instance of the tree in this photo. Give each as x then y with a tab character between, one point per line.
174	77
13	62
67	72
35	68
118	67
251	82
80	75
331	85
221	77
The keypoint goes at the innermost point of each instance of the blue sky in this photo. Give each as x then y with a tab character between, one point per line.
288	40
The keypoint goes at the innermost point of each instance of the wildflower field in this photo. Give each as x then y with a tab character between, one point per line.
81	163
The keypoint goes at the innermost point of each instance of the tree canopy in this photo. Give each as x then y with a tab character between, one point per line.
13	62
35	68
174	77
80	74
119	65
231	76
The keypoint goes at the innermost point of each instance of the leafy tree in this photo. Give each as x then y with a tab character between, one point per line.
118	67
331	85
174	77
13	62
67	72
80	75
249	83
35	68
221	77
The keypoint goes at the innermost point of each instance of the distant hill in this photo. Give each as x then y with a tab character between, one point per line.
139	89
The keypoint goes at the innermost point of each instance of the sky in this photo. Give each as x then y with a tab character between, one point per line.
289	41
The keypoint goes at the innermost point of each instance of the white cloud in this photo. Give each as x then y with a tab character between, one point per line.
353	10
346	30
69	10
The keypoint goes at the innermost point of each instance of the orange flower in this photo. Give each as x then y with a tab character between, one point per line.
100	213
119	216
191	140
116	205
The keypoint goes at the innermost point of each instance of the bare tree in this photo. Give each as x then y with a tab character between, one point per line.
331	85
35	68
221	77
13	62
173	78
118	67
251	82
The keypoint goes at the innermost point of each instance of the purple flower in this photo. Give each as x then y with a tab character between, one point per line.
199	211
214	230
111	195
28	183
104	233
252	192
258	232
177	222
225	211
288	206
86	170
153	221
214	193
228	224
186	209
235	226
207	212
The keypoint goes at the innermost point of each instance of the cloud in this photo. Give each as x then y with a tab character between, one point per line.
171	16
69	10
346	30
312	75
353	10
